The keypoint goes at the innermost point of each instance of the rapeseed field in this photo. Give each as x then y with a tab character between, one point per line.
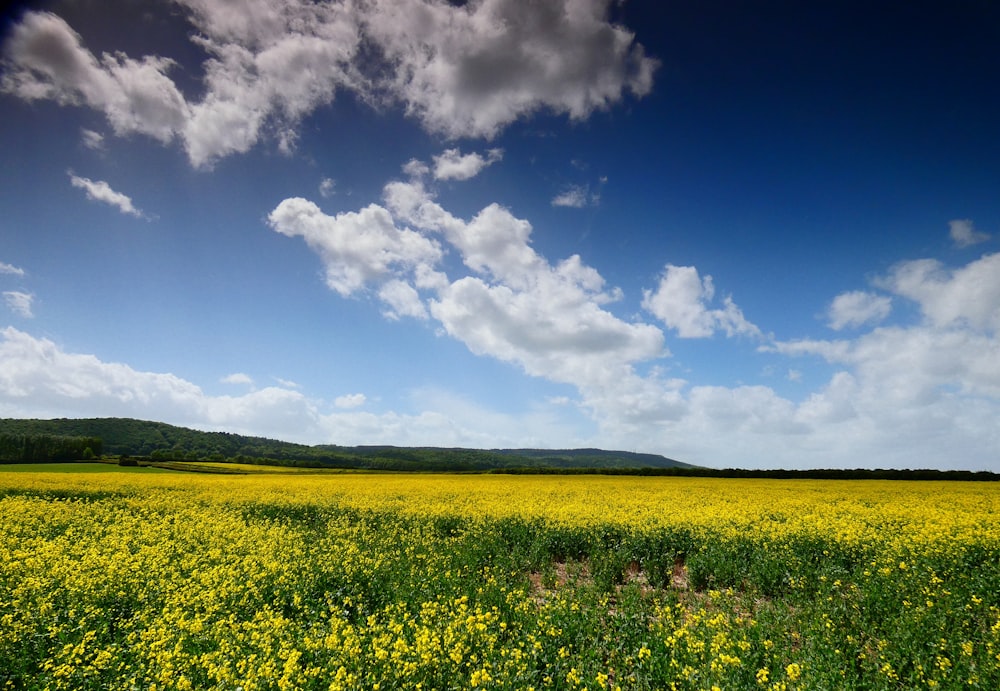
170	581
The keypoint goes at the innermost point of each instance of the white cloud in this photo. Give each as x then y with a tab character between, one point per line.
466	70
680	301
415	168
969	295
963	234
101	191
237	378
926	390
906	397
552	321
558	331
92	140
39	374
923	395
40	379
518	307
269	68
512	304
401	300
834	351
19	302
353	400
470	70
857	308
452	164
358	248
11	269
327	187
270	63
46	60
576	197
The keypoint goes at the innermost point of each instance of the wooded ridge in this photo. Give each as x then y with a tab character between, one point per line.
158	441
41	441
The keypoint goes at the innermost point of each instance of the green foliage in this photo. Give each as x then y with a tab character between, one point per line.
225	594
162	442
45	448
68	439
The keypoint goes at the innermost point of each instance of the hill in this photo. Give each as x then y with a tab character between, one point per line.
160	441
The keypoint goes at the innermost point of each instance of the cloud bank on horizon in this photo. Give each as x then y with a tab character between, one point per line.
908	370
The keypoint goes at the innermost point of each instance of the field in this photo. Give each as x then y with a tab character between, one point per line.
72	468
183	581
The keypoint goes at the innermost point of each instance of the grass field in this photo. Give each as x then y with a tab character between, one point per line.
78	467
184	581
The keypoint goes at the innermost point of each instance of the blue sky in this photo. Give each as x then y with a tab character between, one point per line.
737	234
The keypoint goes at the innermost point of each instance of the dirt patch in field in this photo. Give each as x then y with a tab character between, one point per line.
679	577
573	574
563	574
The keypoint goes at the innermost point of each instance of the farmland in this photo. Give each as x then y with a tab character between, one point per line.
172	581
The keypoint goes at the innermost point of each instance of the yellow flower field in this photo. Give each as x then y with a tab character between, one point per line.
384	581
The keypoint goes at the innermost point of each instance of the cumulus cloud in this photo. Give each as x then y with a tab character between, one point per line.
964	234
463	70
452	164
510	303
928	387
401	300
925	389
857	308
553	320
353	400
416	168
358	248
848	422
966	296
238	378
11	270
271	64
41	379
46	60
515	305
39	373
472	69
681	302
19	302
327	187
100	191
922	395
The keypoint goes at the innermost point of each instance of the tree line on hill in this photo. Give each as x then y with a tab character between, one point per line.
157	441
42	448
34	441
776	473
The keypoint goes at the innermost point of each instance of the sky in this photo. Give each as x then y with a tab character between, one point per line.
738	234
